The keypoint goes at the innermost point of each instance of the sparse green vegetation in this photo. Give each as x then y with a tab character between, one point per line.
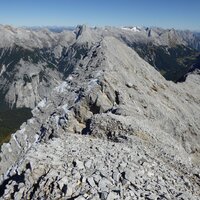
11	120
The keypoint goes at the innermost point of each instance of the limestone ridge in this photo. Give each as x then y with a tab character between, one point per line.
29	64
34	61
141	133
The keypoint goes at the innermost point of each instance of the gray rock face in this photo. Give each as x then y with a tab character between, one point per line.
138	134
36	84
50	57
31	64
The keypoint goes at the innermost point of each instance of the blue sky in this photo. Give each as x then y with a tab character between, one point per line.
180	14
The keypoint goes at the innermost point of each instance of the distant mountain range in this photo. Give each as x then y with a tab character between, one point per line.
56	29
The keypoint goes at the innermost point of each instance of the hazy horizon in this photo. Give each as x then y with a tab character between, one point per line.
182	15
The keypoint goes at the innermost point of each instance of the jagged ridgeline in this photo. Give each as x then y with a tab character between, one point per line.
172	53
23	68
33	62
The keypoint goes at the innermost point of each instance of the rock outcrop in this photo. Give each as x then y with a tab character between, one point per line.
113	129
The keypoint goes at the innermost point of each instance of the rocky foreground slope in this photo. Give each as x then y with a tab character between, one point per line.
137	135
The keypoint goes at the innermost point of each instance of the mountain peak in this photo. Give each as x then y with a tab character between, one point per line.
80	29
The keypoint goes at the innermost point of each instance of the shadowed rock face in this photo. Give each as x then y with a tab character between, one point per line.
141	133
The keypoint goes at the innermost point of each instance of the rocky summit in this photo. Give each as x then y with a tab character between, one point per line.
106	124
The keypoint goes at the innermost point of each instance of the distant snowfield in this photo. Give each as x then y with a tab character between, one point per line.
134	29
